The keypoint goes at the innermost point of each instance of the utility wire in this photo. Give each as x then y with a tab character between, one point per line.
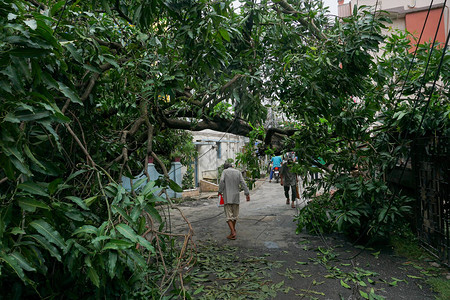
60	16
414	55
426	68
396	192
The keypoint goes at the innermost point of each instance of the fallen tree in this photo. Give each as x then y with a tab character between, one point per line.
105	85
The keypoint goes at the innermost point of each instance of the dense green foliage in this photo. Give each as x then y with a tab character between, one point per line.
90	90
76	85
364	129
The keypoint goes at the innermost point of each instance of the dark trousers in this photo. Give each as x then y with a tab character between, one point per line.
293	190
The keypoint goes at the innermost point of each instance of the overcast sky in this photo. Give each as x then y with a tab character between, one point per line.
332	4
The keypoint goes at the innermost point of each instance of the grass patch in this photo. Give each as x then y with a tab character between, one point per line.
408	246
441	286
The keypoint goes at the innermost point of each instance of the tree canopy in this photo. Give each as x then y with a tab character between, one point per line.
90	90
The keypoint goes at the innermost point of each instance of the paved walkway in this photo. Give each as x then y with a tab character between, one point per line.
266	227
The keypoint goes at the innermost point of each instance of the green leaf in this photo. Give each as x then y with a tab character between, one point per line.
148	188
112	62
33	188
373	296
92	69
112	260
78	201
74	214
101	238
74	52
364	294
116	244
93	276
138	183
105	5
224	34
199	290
49	247
393	283
12	262
175	187
34	115
12	151
122	212
5	218
146	244
57	186
345	284
12	16
153	213
22	261
137	258
46	32
48	232
88	229
127	232
90	200
69	93
11	118
31	204
414	277
17	230
31	23
21	167
73	175
54	9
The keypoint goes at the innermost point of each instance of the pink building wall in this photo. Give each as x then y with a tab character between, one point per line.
414	24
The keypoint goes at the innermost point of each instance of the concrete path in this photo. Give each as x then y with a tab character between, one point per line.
266	227
264	221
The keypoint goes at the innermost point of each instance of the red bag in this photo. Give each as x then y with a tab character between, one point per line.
221	201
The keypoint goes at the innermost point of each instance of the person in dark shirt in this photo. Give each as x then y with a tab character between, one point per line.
289	181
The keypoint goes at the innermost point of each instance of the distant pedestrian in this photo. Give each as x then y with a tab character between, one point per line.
230	182
276	162
289	181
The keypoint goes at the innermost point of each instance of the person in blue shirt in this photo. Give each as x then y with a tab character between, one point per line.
276	162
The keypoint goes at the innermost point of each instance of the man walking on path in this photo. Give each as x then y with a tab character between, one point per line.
289	180
230	181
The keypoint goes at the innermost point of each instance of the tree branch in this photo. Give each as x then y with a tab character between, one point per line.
112	45
88	156
222	89
37	4
288	9
121	13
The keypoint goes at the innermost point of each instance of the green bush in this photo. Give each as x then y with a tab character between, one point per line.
315	218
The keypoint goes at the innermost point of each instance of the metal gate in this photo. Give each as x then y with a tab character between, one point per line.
431	163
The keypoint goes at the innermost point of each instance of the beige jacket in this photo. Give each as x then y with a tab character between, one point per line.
230	181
